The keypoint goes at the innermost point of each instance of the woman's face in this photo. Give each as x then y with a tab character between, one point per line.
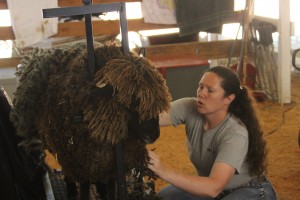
210	95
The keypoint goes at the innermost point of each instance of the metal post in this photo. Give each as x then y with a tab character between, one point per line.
124	29
119	149
89	40
121	180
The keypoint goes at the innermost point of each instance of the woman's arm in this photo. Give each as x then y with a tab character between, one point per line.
201	186
165	119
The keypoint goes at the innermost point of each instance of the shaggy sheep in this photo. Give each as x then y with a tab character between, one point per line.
81	120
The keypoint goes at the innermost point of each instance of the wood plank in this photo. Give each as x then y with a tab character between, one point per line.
7	33
99	28
202	50
64	3
140	25
10	62
78	28
105	27
3	4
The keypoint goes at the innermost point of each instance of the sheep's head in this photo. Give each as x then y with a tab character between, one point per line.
133	83
147	130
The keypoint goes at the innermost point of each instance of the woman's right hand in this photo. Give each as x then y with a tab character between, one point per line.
155	163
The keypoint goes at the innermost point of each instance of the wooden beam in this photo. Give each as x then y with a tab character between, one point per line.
140	25
9	62
7	33
78	28
67	29
110	27
3	5
64	3
284	55
202	50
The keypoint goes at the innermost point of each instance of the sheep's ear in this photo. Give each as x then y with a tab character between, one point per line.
102	89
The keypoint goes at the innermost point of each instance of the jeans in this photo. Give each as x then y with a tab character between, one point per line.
254	190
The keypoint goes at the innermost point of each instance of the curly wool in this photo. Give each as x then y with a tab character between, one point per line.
53	102
133	78
33	80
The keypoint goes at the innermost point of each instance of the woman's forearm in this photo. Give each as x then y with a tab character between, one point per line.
197	185
165	119
211	186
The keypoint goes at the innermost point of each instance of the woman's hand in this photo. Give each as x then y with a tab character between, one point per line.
155	164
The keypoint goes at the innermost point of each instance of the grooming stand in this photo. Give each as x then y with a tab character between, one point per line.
87	10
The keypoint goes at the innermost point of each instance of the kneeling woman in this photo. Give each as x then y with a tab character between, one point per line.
224	140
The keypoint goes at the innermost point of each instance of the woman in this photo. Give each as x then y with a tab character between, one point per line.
224	140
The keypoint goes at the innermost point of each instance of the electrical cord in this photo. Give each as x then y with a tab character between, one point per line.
282	118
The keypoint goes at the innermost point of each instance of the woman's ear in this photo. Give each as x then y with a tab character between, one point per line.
229	98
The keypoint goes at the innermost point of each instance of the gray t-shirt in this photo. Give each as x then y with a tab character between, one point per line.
228	142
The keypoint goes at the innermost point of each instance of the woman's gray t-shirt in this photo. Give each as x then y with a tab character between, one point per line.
228	142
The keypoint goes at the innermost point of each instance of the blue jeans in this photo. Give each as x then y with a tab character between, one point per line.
254	190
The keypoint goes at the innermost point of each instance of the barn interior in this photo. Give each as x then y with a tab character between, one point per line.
257	39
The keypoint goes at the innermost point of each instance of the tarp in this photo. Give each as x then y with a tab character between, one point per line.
202	15
159	11
27	21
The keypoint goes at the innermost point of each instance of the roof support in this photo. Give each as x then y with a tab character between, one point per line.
284	56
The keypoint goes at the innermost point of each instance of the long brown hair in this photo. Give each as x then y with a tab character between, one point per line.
242	107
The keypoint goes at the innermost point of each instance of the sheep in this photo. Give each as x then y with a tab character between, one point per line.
81	121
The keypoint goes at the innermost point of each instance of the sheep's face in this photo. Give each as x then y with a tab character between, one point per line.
138	92
147	130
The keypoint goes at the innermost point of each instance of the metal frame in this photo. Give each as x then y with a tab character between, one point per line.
87	10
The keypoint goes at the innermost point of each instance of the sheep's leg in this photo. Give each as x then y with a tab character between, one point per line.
71	189
84	191
106	190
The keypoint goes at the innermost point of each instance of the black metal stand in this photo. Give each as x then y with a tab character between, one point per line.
87	10
89	40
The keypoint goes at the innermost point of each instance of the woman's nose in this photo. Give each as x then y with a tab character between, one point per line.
200	93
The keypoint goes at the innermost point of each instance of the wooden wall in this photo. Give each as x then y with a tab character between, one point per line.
77	28
203	50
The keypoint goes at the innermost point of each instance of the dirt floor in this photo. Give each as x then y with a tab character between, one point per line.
281	125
